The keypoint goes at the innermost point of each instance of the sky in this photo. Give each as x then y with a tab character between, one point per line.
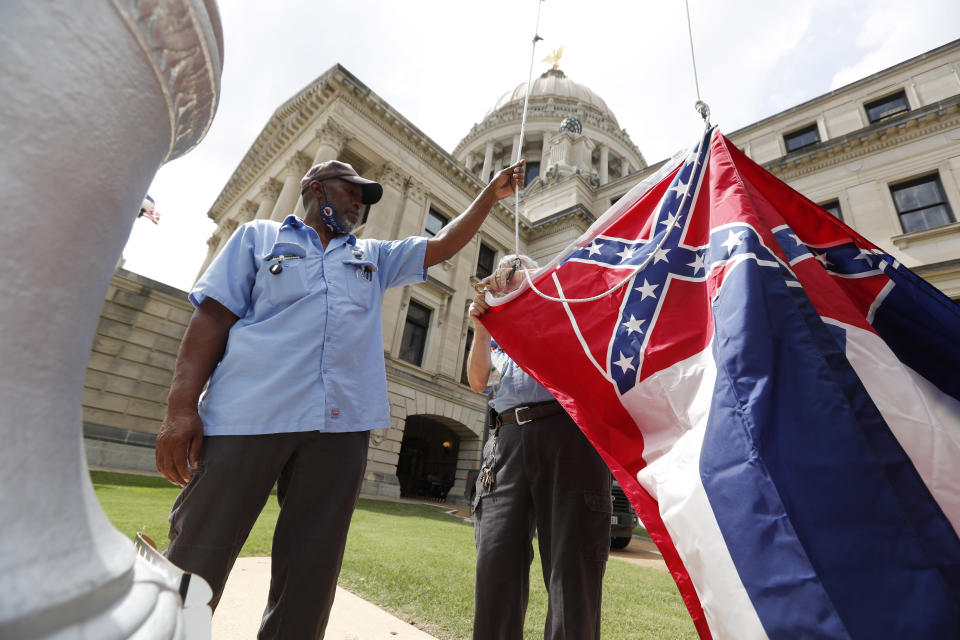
444	63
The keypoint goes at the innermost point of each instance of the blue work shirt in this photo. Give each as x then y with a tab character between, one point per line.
307	351
516	387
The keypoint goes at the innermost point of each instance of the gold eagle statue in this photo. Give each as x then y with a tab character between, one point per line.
554	58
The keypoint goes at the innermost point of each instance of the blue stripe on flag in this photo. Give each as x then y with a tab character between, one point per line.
806	480
922	327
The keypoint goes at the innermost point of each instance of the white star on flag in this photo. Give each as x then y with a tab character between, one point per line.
865	256
647	290
660	254
633	324
697	263
671	220
822	257
733	240
625	363
680	188
626	254
796	239
593	248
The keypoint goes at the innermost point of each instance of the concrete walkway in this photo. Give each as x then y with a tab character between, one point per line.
352	617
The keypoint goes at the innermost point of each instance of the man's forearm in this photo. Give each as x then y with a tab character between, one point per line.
455	235
479	362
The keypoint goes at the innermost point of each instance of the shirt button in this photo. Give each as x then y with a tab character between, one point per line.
335	413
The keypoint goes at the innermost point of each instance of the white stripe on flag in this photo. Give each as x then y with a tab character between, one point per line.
672	444
924	420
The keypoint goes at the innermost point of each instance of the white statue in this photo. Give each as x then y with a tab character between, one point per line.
97	94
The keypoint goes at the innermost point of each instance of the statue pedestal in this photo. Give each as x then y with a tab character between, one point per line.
96	97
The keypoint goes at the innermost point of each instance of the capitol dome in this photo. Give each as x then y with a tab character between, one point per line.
555	84
570	131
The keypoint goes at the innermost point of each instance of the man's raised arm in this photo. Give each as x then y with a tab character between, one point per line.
457	234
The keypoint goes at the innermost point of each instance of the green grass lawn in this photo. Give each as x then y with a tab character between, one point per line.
418	563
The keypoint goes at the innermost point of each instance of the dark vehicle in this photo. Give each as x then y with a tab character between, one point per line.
622	520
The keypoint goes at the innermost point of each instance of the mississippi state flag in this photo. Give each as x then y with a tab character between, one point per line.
779	398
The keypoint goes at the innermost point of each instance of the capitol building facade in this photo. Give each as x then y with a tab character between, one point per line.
882	153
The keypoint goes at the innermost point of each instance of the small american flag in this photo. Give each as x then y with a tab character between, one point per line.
149	211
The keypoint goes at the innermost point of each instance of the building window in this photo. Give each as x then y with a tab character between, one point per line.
531	172
486	260
435	222
414	341
833	208
802	138
466	356
921	204
888	106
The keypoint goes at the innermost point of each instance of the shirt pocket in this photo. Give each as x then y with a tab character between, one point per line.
284	273
362	283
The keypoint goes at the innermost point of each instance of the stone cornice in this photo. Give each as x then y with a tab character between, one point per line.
440	286
912	125
289	119
566	216
906	239
273	139
436	383
945	266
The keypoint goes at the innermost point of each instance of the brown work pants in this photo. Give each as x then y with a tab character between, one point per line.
318	477
547	477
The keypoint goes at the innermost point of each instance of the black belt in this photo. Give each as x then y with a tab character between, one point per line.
526	413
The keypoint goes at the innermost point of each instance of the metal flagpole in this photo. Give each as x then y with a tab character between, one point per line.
523	126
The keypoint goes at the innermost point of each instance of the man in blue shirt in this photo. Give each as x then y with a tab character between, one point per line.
287	338
539	473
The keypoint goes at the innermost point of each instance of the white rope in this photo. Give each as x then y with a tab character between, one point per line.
700	106
633	272
693	58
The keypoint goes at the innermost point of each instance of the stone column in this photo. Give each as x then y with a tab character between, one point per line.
113	90
389	211
413	216
487	162
248	211
604	164
219	238
269	193
229	226
332	138
296	166
544	154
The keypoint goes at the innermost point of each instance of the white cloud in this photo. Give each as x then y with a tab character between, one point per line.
894	31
